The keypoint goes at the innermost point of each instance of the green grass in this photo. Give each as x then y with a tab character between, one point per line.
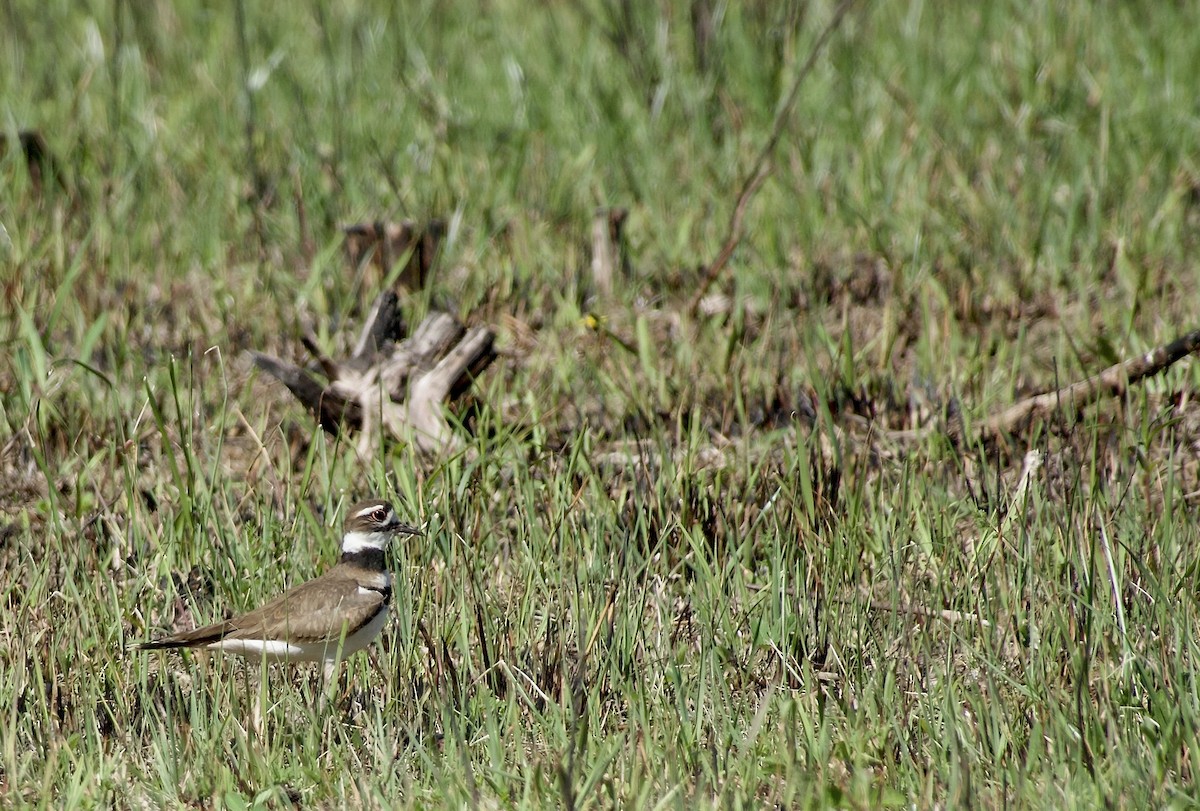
687	563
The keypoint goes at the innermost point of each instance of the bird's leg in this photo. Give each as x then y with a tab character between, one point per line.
328	683
256	710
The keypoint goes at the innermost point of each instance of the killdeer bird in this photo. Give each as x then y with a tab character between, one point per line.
325	619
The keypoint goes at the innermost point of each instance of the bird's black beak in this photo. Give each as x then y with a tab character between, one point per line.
400	528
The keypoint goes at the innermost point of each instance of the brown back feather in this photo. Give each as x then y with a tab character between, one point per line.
320	610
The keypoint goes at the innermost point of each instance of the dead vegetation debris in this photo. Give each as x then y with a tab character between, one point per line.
391	383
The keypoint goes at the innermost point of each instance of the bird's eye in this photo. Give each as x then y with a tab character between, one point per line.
379	515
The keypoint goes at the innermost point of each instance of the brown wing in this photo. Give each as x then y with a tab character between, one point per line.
316	611
320	610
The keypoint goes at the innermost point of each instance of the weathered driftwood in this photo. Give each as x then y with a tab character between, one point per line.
390	382
385	243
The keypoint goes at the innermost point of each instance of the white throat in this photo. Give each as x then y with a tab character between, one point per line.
362	541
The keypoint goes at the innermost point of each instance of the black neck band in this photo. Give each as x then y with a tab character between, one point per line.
370	559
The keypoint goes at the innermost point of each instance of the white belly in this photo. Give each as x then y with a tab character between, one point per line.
274	650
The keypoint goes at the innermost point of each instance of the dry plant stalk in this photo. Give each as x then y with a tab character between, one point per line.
608	249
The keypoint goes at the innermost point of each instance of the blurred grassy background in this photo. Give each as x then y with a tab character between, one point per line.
693	563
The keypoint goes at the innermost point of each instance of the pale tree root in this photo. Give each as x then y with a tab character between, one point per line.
1074	397
1113	381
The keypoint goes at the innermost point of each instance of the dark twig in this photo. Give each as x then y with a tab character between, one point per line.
335	92
761	169
257	178
309	341
732	239
114	66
